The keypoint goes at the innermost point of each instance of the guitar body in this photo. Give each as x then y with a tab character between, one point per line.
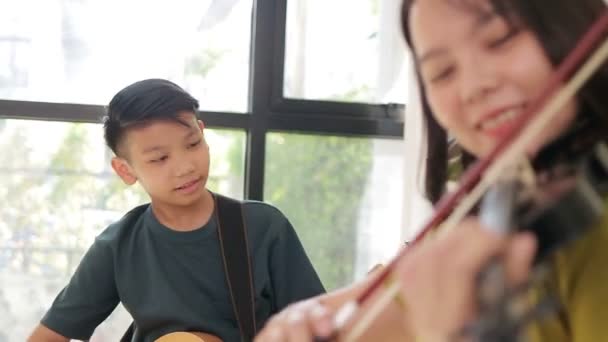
188	337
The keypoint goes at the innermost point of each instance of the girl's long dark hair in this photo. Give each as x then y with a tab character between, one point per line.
558	25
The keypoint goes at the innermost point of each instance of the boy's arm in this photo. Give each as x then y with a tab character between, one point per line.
44	334
86	301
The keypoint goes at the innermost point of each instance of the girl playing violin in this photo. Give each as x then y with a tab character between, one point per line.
480	64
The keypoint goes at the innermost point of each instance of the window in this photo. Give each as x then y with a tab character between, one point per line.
345	50
343	196
84	51
333	167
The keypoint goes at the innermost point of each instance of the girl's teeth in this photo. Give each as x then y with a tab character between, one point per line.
497	121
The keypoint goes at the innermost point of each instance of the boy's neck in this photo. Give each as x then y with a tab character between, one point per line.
185	218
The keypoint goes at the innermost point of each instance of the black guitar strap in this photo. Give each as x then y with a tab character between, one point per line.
232	234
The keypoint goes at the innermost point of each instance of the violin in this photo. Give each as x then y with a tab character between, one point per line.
566	202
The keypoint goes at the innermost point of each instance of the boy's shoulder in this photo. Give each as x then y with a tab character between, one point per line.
263	218
254	207
262	210
115	230
260	206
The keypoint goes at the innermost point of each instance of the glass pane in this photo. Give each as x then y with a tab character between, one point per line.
58	192
84	51
343	196
344	50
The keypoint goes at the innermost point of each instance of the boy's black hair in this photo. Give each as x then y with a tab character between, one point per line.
142	102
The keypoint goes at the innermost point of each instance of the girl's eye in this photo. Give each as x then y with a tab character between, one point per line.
444	74
159	160
194	144
496	43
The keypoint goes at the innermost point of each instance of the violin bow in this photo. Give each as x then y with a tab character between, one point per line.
452	207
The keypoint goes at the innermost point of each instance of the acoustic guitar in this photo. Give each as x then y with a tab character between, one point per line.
188	337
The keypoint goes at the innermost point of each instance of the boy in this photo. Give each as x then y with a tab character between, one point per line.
167	267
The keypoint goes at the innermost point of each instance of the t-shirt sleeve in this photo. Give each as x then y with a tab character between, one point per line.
292	274
88	299
579	284
586	296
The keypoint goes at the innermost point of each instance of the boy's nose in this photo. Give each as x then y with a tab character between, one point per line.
185	168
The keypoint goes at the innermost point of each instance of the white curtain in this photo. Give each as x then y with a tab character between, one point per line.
416	209
395	64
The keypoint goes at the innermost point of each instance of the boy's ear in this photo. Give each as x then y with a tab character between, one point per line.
123	170
201	125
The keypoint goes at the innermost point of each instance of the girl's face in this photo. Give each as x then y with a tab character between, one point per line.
479	73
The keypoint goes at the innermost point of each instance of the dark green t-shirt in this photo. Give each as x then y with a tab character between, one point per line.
174	281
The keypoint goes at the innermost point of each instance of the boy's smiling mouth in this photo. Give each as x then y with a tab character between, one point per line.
189	186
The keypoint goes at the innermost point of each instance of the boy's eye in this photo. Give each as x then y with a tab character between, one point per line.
194	143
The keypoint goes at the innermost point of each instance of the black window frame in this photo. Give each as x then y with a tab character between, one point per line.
267	111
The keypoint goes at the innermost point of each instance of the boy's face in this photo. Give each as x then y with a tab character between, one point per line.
169	159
